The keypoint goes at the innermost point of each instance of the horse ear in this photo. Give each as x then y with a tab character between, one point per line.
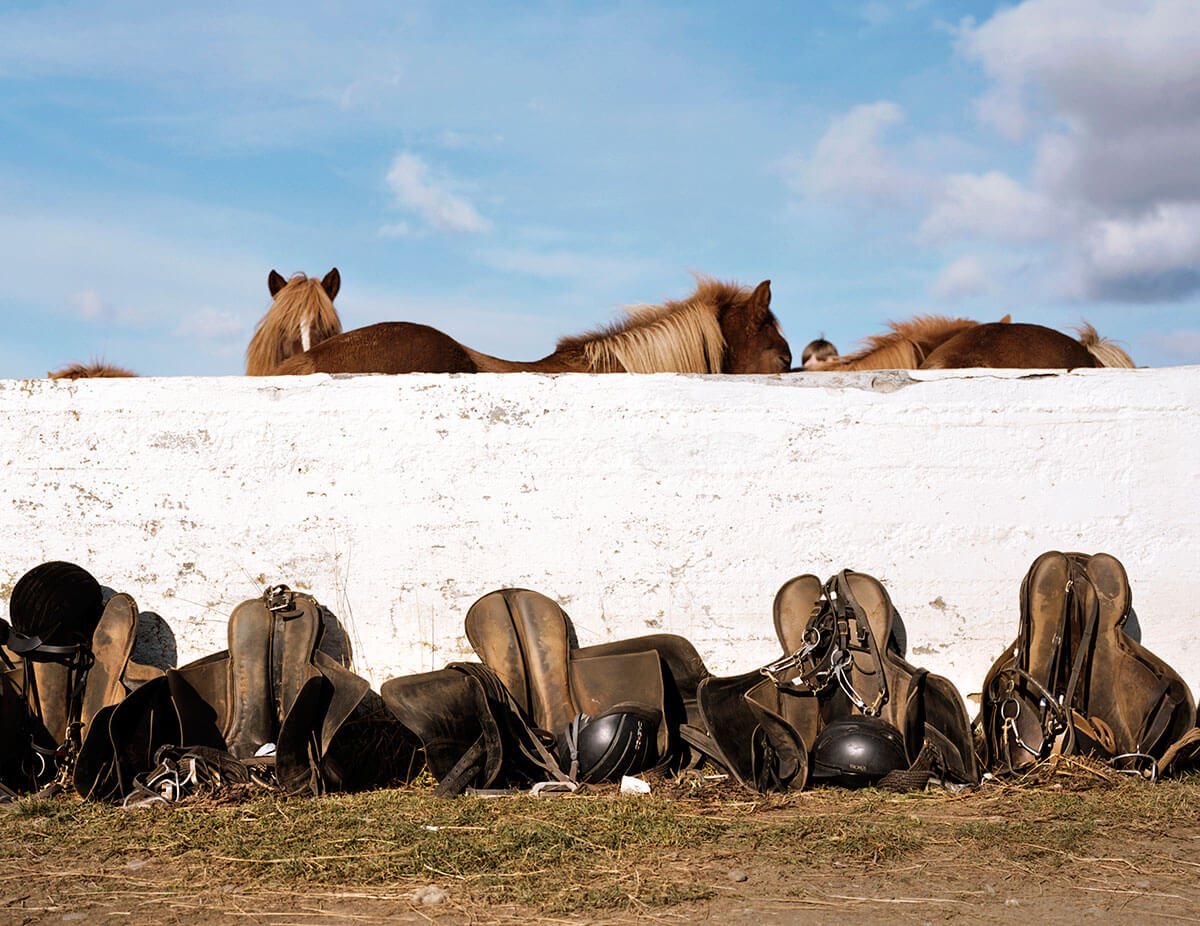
760	299
1006	320
275	283
332	283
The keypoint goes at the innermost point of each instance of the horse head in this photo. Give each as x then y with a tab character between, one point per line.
301	315
754	342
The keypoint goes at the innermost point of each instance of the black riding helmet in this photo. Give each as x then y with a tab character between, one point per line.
56	603
603	748
857	752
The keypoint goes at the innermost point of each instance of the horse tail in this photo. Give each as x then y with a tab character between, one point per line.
1106	351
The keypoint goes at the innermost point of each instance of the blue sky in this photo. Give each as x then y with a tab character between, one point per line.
512	173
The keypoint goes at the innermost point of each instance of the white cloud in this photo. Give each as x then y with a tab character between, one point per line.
1152	257
962	279
850	161
1107	62
432	198
991	205
1122	77
1107	93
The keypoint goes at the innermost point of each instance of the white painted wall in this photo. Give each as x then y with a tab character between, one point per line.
642	503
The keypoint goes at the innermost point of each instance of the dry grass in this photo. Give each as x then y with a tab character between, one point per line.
589	852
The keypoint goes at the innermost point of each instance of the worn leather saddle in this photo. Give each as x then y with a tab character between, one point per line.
272	699
840	662
1074	682
52	694
508	720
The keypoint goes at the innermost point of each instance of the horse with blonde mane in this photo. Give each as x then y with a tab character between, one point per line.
934	342
97	369
719	328
301	315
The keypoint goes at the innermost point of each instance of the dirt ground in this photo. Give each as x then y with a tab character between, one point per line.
1124	853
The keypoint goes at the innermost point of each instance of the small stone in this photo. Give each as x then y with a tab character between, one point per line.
738	875
135	864
431	894
1012	902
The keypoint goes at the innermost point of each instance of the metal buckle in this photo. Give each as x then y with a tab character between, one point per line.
279	598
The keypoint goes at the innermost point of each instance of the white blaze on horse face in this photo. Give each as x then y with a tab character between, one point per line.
305	337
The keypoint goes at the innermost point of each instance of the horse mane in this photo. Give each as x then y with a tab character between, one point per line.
903	348
681	336
303	301
1103	349
93	370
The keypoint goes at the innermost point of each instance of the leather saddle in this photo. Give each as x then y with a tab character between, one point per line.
50	696
840	662
508	720
1074	682
272	699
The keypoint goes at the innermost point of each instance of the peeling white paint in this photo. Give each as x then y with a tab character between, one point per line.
643	503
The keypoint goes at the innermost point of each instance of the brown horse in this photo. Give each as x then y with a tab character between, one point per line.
95	369
720	328
1025	346
301	315
903	348
932	342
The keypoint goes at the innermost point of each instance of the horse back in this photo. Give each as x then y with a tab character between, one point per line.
1005	345
388	347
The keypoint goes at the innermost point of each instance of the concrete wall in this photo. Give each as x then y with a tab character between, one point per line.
642	503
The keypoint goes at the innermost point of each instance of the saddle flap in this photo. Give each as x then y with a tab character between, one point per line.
294	637
600	683
729	723
344	691
523	637
112	647
794	607
448	712
878	674
750	731
252	721
785	718
681	662
1043	627
681	666
1142	698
